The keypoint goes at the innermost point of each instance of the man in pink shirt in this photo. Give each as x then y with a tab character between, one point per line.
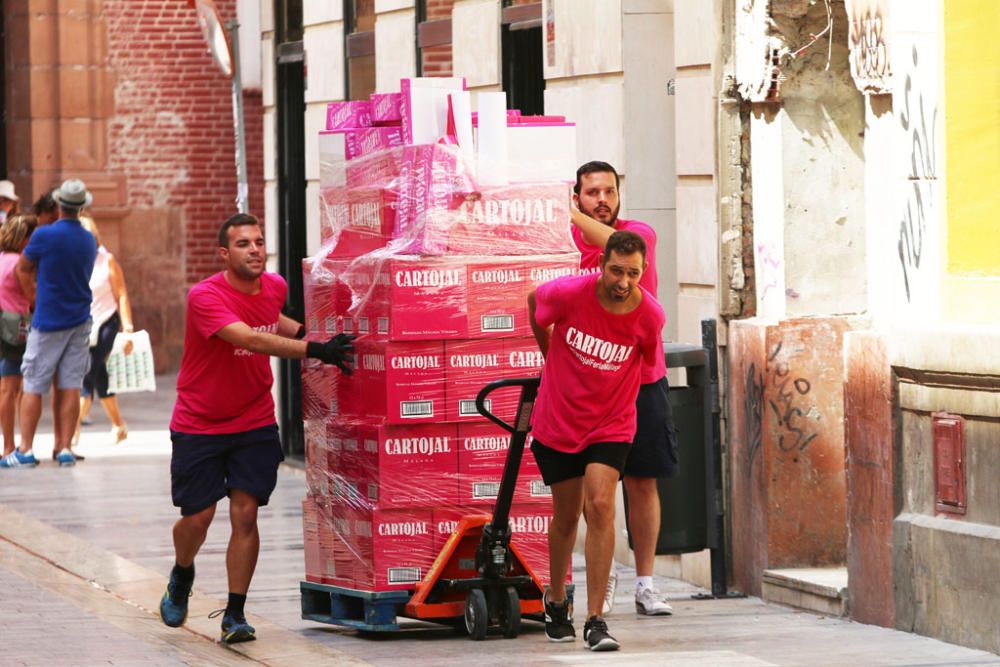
654	450
224	432
596	332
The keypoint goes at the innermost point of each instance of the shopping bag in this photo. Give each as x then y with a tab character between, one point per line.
131	372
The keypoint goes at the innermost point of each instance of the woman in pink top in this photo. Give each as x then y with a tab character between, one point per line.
14	236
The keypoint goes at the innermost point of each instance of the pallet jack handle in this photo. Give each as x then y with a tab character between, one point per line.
518	437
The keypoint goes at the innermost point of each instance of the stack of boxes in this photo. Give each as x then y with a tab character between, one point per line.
431	267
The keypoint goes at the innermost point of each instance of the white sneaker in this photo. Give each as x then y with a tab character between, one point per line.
609	593
650	603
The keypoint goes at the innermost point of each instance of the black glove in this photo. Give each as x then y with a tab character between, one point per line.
337	351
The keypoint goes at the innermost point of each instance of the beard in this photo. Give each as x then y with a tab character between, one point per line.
594	214
247	272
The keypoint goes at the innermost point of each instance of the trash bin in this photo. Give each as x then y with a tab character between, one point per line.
684	499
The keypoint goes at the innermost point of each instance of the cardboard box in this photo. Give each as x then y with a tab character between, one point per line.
367	141
469	366
482	456
404	466
310	540
400	381
393	548
351	114
385	108
327	297
423	107
422	298
524	219
498	299
332	146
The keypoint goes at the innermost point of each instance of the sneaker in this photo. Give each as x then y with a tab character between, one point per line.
66	458
650	603
18	460
609	592
78	457
595	633
174	603
119	433
235	629
559	620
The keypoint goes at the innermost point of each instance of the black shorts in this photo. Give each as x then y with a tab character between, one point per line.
205	468
654	450
559	466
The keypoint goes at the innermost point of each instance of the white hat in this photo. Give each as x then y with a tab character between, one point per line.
72	194
7	191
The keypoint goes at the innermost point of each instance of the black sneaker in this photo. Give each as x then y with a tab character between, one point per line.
595	633
559	620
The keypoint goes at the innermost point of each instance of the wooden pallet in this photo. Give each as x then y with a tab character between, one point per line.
363	610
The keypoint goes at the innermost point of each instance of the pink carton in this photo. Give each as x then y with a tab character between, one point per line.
344	115
367	219
402	382
404	466
385	108
423	107
482	456
369	140
525	219
310	540
498	298
469	366
421	298
393	548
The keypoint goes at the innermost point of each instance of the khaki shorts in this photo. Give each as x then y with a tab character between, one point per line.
65	352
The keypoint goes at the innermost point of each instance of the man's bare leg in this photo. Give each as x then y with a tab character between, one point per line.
599	485
567	503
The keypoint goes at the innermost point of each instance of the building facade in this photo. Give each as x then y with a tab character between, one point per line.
124	95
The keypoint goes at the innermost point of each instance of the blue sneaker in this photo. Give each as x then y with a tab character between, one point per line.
66	458
18	460
235	629
174	603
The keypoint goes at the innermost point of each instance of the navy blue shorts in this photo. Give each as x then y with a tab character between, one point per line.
654	450
205	468
559	466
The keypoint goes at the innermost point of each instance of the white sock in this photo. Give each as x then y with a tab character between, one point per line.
642	583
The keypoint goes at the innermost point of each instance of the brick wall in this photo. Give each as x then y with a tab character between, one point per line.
436	60
171	143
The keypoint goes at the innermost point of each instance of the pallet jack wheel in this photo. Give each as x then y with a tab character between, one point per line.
510	612
477	617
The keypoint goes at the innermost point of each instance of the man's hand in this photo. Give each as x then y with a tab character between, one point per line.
338	351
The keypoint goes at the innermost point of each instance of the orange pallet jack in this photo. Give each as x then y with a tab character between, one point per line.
480	576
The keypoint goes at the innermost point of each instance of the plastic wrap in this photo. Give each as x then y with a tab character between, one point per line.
432	270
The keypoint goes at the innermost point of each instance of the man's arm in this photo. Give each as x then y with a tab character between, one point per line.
287	327
594	232
542	334
338	351
26	270
276	345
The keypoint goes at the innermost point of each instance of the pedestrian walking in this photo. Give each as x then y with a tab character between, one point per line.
15	311
111	313
54	271
654	450
223	429
596	331
10	203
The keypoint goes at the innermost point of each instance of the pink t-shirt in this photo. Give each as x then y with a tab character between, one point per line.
592	370
222	388
12	299
590	255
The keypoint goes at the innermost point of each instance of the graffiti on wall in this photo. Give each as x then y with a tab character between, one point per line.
789	405
868	30
753	408
918	119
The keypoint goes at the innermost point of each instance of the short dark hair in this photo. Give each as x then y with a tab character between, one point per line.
45	204
624	243
238	220
593	167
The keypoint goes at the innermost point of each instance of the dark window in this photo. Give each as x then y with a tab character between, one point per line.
521	49
434	37
359	48
291	224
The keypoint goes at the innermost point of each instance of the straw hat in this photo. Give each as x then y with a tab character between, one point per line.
72	194
7	191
